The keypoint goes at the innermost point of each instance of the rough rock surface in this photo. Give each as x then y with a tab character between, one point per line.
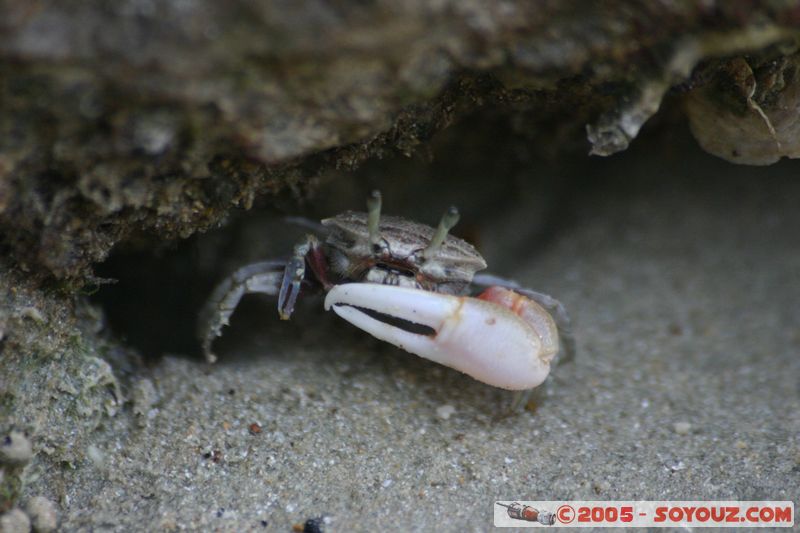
748	113
56	383
158	116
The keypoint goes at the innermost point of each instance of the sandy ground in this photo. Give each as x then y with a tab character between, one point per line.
683	280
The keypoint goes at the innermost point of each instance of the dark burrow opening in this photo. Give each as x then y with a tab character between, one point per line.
159	288
154	299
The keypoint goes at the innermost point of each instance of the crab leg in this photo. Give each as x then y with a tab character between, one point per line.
486	340
264	277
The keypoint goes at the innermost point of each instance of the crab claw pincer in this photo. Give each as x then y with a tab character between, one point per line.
501	338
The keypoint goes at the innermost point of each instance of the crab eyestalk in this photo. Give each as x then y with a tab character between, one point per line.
374	217
448	221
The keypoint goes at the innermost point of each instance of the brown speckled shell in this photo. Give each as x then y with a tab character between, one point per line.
458	259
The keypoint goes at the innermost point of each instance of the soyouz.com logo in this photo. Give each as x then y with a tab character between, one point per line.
518	513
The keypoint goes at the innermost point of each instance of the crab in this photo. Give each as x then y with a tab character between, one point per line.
409	284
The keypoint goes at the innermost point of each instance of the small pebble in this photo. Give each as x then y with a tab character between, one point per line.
15	448
96	455
445	411
43	514
15	521
602	487
674	465
313	525
683	428
32	313
145	396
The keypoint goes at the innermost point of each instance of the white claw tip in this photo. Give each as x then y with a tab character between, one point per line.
480	338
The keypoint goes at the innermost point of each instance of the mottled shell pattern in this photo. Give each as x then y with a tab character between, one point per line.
398	258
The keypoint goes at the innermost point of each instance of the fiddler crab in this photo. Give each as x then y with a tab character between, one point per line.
409	284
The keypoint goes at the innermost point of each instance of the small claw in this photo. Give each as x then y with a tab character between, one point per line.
480	338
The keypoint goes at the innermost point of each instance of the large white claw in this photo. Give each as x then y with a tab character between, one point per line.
482	339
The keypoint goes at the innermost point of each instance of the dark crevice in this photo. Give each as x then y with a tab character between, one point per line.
161	287
154	302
